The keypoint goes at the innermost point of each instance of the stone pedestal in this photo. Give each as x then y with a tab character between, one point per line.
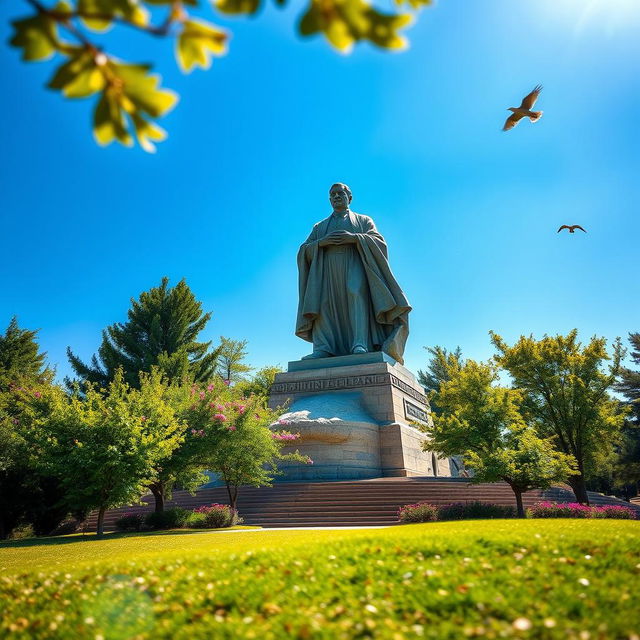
354	416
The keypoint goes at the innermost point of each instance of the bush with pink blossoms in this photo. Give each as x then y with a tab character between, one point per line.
418	512
213	516
576	510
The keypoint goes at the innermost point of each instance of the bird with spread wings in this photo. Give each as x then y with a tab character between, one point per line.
572	228
524	110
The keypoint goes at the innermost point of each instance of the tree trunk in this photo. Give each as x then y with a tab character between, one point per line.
100	526
158	494
233	495
519	505
577	483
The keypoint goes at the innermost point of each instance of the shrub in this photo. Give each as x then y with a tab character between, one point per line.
67	527
577	510
475	511
174	518
22	532
130	522
213	516
196	520
418	512
618	512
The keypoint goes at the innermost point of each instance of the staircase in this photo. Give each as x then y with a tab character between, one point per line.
356	503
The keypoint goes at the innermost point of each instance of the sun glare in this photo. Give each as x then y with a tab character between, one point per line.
609	16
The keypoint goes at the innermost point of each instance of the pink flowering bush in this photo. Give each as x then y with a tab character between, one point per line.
576	510
418	512
213	516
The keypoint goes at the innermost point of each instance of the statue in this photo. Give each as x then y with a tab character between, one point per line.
349	301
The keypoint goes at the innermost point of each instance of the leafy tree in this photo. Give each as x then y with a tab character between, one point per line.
483	422
234	438
230	365
105	447
441	365
161	330
566	396
260	383
627	470
20	355
129	98
28	494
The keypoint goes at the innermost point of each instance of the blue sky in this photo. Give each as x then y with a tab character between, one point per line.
469	213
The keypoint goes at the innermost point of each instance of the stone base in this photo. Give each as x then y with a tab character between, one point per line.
354	417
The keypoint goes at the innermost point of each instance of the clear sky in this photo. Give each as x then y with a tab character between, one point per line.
469	213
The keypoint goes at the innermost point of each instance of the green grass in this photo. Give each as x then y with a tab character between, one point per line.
494	579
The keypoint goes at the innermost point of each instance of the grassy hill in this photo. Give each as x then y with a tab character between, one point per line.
491	579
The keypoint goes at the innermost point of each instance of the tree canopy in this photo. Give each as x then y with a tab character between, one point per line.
161	331
441	367
20	355
627	469
130	98
482	422
565	387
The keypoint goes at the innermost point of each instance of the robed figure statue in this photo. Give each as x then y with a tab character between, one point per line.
349	301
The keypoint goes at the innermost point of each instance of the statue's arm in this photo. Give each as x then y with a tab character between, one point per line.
309	243
371	234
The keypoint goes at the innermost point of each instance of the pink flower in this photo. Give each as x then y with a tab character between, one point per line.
227	382
284	422
241	408
231	427
37	394
219	416
284	437
143	418
15	421
210	387
309	460
202	395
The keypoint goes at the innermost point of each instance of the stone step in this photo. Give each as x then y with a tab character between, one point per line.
348	503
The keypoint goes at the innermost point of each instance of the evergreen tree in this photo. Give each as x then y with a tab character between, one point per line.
440	369
627	471
20	355
161	330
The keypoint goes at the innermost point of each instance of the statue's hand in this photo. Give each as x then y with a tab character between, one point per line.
337	237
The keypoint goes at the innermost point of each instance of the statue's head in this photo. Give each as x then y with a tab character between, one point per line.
340	196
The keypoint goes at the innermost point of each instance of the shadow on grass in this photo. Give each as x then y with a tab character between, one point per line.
92	537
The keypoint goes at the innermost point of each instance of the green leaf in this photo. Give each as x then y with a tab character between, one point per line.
345	22
98	15
197	43
415	4
140	88
79	77
36	36
131	94
146	132
236	7
109	121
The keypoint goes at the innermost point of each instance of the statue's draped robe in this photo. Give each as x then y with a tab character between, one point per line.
347	292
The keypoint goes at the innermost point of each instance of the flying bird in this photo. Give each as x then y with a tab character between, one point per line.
572	228
524	110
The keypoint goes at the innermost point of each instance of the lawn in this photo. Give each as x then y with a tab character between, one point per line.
494	579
